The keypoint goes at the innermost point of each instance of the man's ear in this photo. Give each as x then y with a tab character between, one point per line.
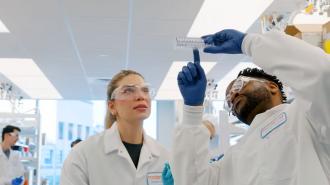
273	87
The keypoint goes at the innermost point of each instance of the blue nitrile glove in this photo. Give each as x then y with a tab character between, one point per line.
225	41
17	181
167	177
192	82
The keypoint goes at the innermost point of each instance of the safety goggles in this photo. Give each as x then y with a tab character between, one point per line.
132	91
237	86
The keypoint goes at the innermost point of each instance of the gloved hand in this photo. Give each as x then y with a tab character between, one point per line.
192	82
167	177
225	41
17	181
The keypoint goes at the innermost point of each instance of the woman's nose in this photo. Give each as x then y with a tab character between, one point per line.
140	95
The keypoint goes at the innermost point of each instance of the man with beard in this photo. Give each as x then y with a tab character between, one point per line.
253	92
286	144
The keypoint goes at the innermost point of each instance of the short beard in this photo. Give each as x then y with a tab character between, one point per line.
253	100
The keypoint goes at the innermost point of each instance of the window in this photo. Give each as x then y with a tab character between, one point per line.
57	180
59	157
48	157
49	180
60	130
70	131
79	130
87	131
150	124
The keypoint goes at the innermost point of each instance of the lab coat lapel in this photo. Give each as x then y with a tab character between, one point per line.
111	139
114	145
1	151
262	119
3	157
148	152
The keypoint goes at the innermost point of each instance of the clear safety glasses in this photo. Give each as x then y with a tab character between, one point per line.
132	91
237	86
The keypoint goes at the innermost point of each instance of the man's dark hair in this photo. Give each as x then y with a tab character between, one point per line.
259	73
75	142
9	129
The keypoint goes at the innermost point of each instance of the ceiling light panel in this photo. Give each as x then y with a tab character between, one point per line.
216	15
27	76
3	28
169	88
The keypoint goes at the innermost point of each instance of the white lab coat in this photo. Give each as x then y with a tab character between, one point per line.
10	168
286	145
103	159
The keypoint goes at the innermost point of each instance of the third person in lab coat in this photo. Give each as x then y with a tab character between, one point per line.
11	167
123	154
286	144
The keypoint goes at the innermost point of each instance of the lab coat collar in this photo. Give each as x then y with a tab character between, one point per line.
1	151
261	118
151	145
112	142
3	155
149	151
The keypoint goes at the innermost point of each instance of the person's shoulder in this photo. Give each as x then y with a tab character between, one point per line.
91	143
82	152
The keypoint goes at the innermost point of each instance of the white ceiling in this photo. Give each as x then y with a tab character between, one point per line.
77	43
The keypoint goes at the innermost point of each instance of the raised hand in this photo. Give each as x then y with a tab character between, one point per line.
192	82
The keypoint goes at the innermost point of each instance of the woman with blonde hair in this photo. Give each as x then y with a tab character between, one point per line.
123	153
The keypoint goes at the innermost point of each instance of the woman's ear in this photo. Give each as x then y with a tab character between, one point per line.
111	107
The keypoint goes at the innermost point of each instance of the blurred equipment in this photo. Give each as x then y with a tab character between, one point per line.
9	92
275	21
309	22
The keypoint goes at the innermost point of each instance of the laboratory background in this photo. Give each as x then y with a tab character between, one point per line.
57	57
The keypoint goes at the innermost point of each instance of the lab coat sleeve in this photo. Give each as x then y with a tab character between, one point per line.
74	171
5	181
304	67
190	151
